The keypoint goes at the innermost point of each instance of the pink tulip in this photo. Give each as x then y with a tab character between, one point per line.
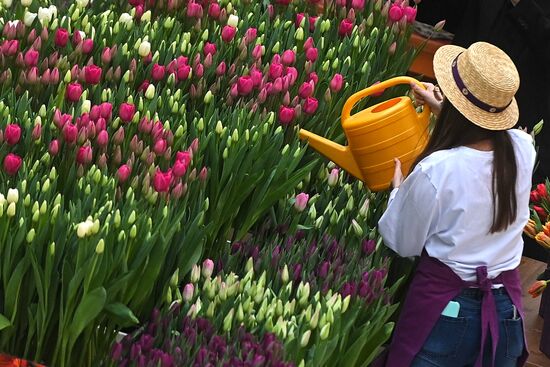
12	163
257	52
106	108
180	167
162	180
310	105
336	83
183	72
245	85
410	13
74	91
305	90
313	77
289	57
345	28
392	48
160	147
250	35
299	18
92	74
12	134
309	43
36	132
333	177
209	48
106	55
123	173
312	54
194	10
214	10
188	291
228	33
207	268
87	45
301	202
286	115
31	58
61	37
221	69
293	73
102	138
395	13
126	112
203	174
118	136
84	155
70	133
275	71
158	72
358	5
53	148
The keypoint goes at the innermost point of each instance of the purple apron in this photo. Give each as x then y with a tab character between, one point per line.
433	286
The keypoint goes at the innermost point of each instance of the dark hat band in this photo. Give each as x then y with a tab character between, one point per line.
469	96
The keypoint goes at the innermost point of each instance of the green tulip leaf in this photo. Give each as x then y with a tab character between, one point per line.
88	309
4	322
124	315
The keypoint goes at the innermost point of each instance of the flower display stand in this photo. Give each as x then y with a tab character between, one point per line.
544	312
9	361
423	65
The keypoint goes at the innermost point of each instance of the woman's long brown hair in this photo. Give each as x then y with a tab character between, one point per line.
453	130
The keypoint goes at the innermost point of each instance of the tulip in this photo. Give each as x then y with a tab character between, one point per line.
228	33
214	10
103	139
53	148
250	35
289	57
368	247
12	134
345	28
310	105
12	163
183	72
188	291
541	212
439	26
70	133
73	92
144	49
286	115
395	13
312	54
209	48
84	155
36	132
301	202
105	110
31	58
207	268
123	173
541	190
537	288
61	37
305	90
126	112
87	46
245	85
275	71
106	55
160	147
358	5
336	83
221	69
333	177
194	10
392	48
162	180
92	74
410	13
180	167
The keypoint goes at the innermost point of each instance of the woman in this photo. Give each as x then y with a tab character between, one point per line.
463	208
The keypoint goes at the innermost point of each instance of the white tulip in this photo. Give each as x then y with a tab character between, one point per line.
82	3
44	15
125	18
144	49
7	3
29	18
233	21
26	2
13	196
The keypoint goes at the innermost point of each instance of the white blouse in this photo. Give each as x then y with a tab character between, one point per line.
445	206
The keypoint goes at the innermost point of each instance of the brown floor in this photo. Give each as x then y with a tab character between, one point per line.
529	270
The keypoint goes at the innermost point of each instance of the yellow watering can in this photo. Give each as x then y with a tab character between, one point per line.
377	135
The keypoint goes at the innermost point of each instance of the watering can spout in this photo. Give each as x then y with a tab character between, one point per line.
341	155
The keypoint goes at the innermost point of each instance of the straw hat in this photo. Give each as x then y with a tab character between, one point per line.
480	82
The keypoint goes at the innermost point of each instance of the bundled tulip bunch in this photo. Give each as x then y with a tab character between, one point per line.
538	226
136	136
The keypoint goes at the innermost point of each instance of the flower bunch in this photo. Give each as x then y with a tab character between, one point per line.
538	226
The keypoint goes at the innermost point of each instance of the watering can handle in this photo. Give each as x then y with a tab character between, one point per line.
352	101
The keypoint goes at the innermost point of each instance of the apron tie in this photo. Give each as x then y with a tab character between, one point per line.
489	319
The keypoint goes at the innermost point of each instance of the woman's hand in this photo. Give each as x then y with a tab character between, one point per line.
431	96
397	174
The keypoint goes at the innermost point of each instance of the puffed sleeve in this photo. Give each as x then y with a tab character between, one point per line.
411	215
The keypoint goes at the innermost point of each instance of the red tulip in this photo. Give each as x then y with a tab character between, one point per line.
31	58
410	13
84	155
209	48
286	115
256	76
70	133
534	197
143	86
74	91
228	33
336	83
214	10
126	112
541	212
245	85
312	54
12	134
183	72
180	167
92	74
162	180
541	189
309	43
299	18
160	147
345	28
123	173
289	57
12	163
194	10
158	72
61	37
396	13
358	4
310	105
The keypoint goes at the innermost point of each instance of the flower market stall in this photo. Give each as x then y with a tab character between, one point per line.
156	204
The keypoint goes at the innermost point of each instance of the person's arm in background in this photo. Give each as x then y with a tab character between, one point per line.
534	19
